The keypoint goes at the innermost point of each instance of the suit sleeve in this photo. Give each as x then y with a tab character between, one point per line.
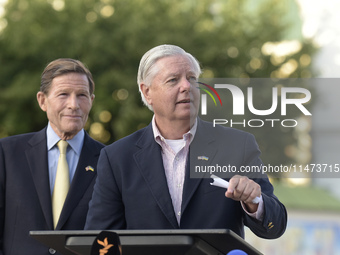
106	209
274	220
2	197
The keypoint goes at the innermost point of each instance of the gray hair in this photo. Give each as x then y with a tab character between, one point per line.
147	70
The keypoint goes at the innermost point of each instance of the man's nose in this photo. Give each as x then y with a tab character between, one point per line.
185	84
73	102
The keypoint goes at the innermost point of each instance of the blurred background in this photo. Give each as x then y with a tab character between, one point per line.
230	38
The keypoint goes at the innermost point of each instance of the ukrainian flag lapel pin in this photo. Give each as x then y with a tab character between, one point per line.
202	158
89	168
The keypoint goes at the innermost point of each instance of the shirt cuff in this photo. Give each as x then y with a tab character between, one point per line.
259	213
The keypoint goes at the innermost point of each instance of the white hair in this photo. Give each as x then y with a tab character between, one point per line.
147	68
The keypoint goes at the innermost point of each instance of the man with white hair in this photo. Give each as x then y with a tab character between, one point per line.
144	179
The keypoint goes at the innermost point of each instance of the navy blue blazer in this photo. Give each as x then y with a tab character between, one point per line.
131	190
25	197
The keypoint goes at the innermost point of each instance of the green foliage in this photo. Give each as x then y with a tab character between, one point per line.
306	197
110	37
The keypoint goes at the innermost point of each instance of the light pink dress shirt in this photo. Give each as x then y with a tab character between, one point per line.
175	156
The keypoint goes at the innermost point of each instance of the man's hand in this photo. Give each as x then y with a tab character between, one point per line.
241	188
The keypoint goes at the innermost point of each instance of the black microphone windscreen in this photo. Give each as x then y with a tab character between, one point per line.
106	243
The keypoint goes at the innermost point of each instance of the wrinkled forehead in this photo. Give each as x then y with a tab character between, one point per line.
174	65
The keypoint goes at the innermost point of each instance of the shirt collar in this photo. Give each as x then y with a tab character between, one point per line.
76	142
158	136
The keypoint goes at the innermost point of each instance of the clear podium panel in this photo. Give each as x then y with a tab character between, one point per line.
149	242
140	245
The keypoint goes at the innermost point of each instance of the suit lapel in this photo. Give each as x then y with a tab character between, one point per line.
202	145
37	161
150	163
81	180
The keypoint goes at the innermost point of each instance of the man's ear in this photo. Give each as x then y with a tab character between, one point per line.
146	92
41	97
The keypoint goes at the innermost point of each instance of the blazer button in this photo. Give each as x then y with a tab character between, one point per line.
52	251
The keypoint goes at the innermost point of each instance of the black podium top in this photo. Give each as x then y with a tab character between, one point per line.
149	242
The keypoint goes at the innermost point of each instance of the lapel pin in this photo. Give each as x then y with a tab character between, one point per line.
202	158
89	168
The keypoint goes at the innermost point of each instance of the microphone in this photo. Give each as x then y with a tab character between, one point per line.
106	243
237	252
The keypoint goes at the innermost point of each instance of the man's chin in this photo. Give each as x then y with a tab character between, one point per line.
72	129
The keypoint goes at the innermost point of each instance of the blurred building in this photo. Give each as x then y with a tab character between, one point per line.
320	23
316	231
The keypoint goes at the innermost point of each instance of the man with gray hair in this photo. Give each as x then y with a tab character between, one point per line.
144	179
47	177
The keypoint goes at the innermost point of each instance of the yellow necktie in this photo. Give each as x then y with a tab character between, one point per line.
61	184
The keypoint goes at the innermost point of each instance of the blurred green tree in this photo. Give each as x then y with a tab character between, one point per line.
230	38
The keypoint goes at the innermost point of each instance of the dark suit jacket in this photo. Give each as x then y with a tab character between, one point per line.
131	190
25	197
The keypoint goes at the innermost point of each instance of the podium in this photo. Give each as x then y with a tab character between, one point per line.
150	242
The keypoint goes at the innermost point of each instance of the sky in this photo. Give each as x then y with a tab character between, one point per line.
2	2
321	22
